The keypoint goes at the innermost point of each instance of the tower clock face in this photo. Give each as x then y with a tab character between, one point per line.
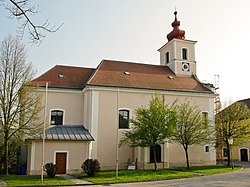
185	66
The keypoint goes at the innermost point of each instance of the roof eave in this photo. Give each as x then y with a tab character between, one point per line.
151	89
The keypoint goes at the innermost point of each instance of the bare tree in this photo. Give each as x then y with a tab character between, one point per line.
232	122
23	11
19	103
192	128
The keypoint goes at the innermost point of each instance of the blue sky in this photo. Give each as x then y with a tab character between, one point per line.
133	31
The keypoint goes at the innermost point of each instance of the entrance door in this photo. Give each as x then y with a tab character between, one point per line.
61	159
243	155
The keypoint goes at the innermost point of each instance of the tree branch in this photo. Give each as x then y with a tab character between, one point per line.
20	10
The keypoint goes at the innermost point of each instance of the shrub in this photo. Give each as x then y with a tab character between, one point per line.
50	168
91	167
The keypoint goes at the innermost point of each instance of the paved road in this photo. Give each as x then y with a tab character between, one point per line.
239	178
235	179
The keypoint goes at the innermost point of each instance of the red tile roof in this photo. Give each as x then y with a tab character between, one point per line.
137	75
121	74
65	76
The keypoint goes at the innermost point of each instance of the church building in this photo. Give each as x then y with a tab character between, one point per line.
88	109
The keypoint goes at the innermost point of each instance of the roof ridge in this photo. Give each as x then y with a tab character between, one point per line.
94	73
58	65
69	66
138	63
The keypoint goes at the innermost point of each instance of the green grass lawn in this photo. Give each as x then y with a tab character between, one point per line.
150	175
25	180
124	176
133	176
209	170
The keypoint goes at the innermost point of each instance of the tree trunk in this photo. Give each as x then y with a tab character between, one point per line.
155	157
186	153
6	156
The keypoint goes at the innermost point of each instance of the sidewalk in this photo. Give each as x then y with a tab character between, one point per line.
73	179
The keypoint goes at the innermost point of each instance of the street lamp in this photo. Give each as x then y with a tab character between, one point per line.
230	142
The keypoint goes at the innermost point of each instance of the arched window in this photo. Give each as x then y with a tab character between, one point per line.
167	57
56	117
123	119
158	153
184	54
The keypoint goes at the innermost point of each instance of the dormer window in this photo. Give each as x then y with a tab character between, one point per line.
126	73
61	76
167	57
184	54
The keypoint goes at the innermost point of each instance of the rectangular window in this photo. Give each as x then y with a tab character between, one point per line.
206	148
167	57
56	117
123	119
184	54
225	152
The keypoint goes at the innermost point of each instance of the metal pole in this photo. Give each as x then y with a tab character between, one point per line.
230	141
117	137
44	125
232	158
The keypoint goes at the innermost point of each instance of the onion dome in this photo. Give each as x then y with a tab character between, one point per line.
176	32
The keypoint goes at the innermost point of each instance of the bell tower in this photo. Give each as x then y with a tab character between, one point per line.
178	53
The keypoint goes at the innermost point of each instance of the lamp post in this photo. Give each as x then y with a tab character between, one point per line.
230	142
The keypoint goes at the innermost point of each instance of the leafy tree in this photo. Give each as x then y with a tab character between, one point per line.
23	10
192	128
232	123
152	126
19	104
13	153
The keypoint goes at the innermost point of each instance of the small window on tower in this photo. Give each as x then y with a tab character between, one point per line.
167	57
184	54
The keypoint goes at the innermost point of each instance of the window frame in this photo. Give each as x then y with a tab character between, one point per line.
225	152
206	148
57	110
184	53
167	57
129	117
